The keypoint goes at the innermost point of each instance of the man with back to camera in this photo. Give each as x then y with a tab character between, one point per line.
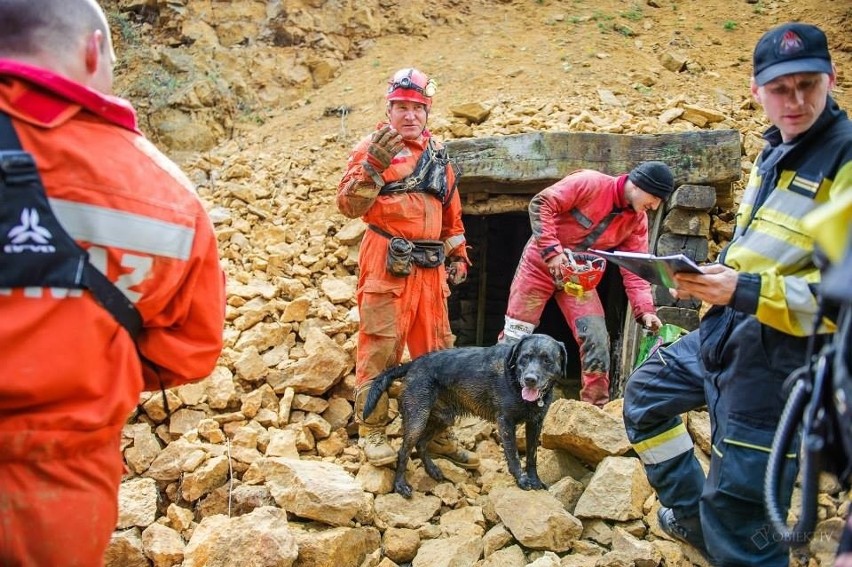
586	209
764	305
117	207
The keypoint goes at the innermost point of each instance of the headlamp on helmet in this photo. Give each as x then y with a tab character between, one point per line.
413	86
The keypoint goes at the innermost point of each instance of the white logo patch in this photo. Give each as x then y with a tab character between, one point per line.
29	236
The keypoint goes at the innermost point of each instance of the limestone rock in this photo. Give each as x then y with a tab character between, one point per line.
125	550
137	503
313	489
261	538
617	491
583	430
536	519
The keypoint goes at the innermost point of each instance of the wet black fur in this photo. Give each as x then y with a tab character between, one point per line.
481	381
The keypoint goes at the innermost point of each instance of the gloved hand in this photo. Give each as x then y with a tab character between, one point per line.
456	271
384	144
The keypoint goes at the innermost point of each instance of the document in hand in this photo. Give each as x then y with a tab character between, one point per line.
658	270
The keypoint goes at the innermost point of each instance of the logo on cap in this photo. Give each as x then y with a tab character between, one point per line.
790	44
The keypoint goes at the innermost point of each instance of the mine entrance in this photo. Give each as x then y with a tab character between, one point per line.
478	306
502	173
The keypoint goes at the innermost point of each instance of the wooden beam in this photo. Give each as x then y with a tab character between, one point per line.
523	164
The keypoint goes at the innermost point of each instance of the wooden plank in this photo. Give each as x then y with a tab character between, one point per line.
526	163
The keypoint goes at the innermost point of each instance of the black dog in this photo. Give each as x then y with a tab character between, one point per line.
505	383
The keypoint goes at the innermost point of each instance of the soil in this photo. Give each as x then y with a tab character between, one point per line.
524	55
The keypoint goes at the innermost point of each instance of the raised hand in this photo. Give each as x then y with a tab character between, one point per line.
384	145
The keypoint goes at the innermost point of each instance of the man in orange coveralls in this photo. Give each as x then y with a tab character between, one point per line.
71	373
587	209
401	182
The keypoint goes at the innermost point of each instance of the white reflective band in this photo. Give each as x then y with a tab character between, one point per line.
120	229
453	241
667	445
517	329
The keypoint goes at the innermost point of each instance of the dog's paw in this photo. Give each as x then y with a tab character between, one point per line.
434	471
528	483
403	489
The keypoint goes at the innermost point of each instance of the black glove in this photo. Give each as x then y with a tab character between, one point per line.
384	145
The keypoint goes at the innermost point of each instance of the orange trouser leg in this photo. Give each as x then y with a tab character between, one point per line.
59	512
585	317
429	324
415	313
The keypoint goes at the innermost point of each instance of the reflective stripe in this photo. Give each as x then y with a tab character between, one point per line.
773	244
516	329
120	229
452	242
667	445
752	446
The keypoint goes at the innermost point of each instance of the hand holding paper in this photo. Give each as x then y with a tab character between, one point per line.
715	285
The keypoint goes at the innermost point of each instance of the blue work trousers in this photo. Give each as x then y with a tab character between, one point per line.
736	367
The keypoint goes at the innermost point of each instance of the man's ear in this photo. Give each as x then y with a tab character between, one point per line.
832	77
94	51
755	91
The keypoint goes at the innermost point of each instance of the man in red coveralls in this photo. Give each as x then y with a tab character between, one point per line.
71	373
586	209
400	180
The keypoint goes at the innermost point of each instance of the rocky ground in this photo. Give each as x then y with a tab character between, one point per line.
260	103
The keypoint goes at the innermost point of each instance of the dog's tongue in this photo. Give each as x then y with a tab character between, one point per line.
530	394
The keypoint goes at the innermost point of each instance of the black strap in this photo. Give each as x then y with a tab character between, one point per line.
18	172
585	222
380	231
429	176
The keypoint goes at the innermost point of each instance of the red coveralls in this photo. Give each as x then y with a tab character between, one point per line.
594	195
69	373
396	311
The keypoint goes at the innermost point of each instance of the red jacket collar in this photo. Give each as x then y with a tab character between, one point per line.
45	97
620	198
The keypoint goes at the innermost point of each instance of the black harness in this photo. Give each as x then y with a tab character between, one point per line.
35	251
429	176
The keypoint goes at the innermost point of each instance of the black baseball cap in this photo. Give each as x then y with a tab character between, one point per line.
790	48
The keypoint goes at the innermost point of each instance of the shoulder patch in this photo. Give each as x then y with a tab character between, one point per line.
804	186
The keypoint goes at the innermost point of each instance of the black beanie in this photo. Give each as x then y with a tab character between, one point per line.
653	177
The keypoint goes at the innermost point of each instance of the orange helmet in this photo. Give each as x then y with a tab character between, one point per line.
411	85
582	273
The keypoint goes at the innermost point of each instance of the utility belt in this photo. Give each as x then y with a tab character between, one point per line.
402	253
36	250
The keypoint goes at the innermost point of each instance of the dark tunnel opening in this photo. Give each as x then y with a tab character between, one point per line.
478	306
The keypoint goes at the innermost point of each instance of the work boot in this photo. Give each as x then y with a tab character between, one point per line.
371	431
445	445
687	530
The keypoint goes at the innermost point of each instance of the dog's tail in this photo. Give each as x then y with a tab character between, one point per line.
380	385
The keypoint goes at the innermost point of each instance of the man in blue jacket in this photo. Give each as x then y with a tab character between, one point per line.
764	305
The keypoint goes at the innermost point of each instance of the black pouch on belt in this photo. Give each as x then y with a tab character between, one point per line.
399	256
428	253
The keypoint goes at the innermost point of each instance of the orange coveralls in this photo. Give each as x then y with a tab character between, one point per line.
396	311
70	375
